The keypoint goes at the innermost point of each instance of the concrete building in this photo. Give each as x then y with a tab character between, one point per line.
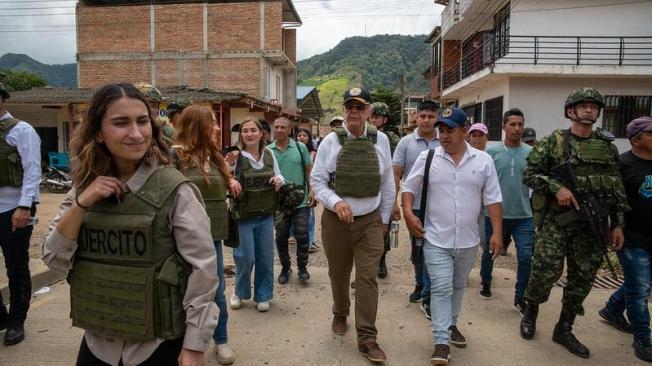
489	56
244	46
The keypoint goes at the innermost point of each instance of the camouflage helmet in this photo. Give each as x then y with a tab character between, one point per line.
291	196
380	109
4	93
586	94
150	92
177	106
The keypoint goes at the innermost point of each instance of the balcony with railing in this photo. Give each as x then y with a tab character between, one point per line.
505	54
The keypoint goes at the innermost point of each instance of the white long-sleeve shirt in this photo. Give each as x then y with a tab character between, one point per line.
325	164
456	195
28	143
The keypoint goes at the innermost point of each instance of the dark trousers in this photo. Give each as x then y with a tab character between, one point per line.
15	249
167	354
297	219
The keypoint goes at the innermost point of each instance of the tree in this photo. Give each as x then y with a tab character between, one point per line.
22	80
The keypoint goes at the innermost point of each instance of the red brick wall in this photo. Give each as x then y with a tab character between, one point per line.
273	26
290	44
234	26
179	27
236	74
96	73
113	29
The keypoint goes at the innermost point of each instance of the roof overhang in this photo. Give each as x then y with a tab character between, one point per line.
291	17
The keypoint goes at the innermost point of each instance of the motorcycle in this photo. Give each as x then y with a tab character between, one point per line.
57	181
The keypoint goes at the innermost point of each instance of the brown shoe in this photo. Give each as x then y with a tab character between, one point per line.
339	325
441	355
372	352
457	339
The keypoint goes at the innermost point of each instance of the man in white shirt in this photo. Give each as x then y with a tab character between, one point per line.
20	176
352	177
464	180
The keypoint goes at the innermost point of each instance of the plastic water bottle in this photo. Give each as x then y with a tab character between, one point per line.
393	232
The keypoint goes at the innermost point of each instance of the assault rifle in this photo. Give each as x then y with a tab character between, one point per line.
590	211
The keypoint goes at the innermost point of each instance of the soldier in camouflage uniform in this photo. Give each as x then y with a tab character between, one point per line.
594	158
174	109
379	116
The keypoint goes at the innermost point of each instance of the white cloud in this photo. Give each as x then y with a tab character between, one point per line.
51	38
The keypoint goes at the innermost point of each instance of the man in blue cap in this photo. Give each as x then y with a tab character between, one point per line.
463	179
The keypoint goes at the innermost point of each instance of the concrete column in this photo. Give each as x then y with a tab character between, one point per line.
290	89
152	42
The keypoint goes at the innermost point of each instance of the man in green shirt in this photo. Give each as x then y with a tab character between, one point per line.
510	159
295	164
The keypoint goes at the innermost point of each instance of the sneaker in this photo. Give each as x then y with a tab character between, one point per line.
312	249
457	339
262	306
519	305
441	355
617	320
284	276
235	302
643	350
372	352
225	354
425	307
485	290
415	296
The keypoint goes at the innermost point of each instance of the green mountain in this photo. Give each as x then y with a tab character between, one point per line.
373	62
56	75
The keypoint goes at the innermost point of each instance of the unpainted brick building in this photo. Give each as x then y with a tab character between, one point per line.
241	46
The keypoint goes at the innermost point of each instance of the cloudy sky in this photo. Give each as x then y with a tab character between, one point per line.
45	30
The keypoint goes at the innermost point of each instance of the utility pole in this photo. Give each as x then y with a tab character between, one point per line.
401	85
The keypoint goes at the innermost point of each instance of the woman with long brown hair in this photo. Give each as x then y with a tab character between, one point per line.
136	241
257	171
197	156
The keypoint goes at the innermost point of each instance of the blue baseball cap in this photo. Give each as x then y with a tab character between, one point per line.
452	117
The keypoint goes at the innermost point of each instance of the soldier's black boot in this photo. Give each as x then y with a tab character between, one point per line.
529	320
564	336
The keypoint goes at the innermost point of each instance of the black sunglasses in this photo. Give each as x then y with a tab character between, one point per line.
359	107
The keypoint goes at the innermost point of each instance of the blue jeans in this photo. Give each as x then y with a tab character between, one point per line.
256	250
633	294
421	277
522	230
219	334
449	269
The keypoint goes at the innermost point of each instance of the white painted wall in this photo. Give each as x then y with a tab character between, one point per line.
542	99
486	90
581	18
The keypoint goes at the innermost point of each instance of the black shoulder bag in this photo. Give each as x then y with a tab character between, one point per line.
417	249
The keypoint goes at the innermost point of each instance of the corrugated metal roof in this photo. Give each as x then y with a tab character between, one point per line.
49	95
303	90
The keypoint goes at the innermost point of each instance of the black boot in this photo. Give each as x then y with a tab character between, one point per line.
564	336
529	320
284	276
303	274
382	269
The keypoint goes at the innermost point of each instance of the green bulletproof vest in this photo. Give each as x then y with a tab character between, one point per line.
214	196
357	171
258	196
128	281
11	166
595	166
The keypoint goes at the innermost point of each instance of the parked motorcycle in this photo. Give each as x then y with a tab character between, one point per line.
57	181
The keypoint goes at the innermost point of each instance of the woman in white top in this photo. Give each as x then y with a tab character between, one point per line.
258	173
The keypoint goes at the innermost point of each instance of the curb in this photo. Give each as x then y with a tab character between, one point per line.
41	276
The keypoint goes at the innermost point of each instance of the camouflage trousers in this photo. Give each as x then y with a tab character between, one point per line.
551	245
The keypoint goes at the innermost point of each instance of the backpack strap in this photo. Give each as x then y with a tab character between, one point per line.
341	134
372	133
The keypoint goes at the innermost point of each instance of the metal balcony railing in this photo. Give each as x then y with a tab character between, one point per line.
550	50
